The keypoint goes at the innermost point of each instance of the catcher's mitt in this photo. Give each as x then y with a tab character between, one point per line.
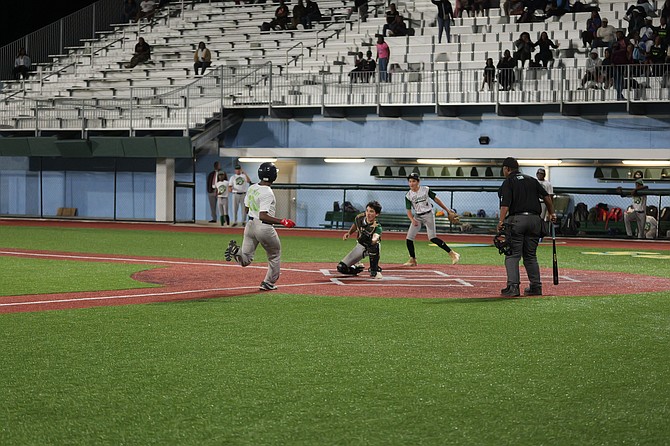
454	219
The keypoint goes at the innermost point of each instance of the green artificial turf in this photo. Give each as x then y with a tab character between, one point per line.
281	369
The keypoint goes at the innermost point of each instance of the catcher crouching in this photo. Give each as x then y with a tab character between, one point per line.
369	239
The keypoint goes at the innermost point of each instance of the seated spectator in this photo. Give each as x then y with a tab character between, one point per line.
368	68
665	10
506	66
642	7
489	74
281	17
146	10
397	28
524	48
656	56
466	6
662	30
129	11
299	14
361	6
593	64
635	23
202	59
355	74
647	31
142	53
482	6
545	55
313	14
605	36
22	65
391	14
592	26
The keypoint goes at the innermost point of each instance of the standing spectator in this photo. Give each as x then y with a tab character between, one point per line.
299	15
369	67
656	57
22	65
383	56
261	204
662	30
445	15
520	213
141	55
313	14
605	35
638	210
545	55
592	73
482	6
212	191
239	183
506	66
665	10
129	11
362	7
489	74
524	48
222	197
607	69
146	10
592	26
202	59
619	61
541	175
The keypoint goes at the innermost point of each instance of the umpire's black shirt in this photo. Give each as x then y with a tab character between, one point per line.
520	193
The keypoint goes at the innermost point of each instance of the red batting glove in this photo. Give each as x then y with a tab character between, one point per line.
288	223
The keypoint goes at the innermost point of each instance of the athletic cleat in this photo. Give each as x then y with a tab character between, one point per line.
264	286
231	250
455	257
376	275
410	262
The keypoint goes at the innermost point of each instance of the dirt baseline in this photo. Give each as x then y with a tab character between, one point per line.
182	279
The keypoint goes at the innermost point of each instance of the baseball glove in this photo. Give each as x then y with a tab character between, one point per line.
454	219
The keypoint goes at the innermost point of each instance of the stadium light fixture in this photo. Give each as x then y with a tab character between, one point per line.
646	163
257	160
539	162
344	160
439	162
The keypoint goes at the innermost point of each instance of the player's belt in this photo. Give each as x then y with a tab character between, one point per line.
239	193
264	222
525	213
424	213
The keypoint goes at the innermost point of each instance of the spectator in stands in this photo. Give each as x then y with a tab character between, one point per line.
665	10
607	70
545	55
369	67
141	55
482	6
489	74
146	10
391	14
656	56
662	30
383	56
647	31
397	28
642	7
524	48
636	23
361	6
605	35
593	64
129	11
202	59
592	26
355	74
281	17
299	15
466	5
445	15
313	13
506	66
22	65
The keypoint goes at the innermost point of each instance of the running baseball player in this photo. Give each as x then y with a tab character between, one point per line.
369	240
260	205
420	211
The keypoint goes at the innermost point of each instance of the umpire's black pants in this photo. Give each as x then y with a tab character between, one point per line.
525	236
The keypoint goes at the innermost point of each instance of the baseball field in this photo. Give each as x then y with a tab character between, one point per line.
138	334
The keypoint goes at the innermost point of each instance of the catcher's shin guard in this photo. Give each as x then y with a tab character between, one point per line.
373	253
342	268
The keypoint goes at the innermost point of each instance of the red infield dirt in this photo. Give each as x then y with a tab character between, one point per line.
183	279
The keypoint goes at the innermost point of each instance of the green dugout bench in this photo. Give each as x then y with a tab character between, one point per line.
400	222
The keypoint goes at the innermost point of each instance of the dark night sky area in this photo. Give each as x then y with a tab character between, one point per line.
20	17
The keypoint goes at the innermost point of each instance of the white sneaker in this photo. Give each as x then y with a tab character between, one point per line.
455	257
410	262
377	276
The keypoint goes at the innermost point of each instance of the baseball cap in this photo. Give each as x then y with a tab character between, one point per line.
511	163
413	176
541	170
237	166
604	19
594	51
639	181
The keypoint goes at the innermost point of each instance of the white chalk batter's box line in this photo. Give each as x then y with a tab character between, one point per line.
420	277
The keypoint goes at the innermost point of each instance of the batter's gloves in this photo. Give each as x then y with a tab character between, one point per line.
454	219
288	222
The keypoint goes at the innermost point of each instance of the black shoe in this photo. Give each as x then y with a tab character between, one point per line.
510	291
533	291
231	250
212	221
265	286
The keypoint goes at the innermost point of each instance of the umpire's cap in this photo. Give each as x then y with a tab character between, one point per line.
511	162
414	176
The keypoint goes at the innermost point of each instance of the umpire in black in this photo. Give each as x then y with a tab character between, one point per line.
520	212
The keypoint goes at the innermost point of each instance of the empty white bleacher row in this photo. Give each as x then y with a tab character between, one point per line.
89	87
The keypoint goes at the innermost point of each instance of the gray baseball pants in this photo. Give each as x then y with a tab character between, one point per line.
258	232
238	204
640	218
427	220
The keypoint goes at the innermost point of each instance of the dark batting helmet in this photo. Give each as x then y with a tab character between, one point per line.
267	172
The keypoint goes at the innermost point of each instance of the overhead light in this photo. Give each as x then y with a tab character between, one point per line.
344	160
438	161
539	162
646	162
257	160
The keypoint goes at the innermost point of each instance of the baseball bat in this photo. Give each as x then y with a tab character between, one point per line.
553	243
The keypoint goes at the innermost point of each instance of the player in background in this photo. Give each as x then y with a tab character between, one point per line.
260	205
222	198
541	175
369	239
420	211
239	183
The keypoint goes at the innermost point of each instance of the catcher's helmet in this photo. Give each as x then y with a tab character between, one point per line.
267	172
502	241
